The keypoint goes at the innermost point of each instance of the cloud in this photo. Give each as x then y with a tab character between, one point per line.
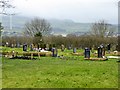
78	10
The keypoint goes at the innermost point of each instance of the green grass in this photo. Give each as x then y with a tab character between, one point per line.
51	72
48	72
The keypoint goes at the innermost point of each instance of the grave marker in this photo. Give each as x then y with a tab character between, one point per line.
62	47
25	47
74	50
54	52
87	53
99	52
108	47
31	47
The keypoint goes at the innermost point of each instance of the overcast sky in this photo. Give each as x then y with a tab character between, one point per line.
76	10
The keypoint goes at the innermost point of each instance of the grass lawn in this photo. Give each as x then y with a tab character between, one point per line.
49	72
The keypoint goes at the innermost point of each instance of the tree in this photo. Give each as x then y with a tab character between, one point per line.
1	27
101	29
37	27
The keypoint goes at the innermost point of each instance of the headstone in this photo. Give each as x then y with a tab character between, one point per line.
69	48
38	46
18	45
7	44
31	47
50	47
25	47
103	51
87	53
100	52
108	47
44	46
54	52
62	47
74	50
12	45
47	47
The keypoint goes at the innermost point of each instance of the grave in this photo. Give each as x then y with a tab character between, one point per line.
62	47
108	47
50	47
18	45
74	50
54	52
87	53
101	54
25	47
31	47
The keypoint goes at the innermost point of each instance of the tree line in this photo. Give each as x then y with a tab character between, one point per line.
37	31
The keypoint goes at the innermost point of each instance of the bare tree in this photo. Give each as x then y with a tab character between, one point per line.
37	27
1	27
100	29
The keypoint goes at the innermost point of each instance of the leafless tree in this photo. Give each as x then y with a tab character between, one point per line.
37	27
101	29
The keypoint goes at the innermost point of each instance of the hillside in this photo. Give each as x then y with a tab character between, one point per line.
58	26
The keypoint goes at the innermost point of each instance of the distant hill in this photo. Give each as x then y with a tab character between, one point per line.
58	26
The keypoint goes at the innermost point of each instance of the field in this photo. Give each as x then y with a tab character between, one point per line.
69	72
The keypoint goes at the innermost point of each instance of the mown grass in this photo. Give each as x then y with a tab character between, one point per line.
49	72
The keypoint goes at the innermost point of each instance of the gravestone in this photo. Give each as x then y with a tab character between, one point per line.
74	50
87	53
31	47
69	47
50	47
108	47
18	45
62	47
100	52
44	46
54	52
38	46
25	47
7	44
12	45
47	47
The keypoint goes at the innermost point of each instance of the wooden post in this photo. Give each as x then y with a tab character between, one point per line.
31	55
39	55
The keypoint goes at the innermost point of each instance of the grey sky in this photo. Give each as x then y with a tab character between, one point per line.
76	10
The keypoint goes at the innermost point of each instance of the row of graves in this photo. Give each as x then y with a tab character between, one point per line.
50	50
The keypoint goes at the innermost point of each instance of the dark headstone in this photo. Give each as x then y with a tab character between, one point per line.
31	47
38	46
108	47
54	52
25	47
74	50
50	47
100	52
87	53
44	46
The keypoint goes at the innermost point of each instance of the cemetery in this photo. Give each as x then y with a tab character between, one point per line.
34	55
100	54
44	65
59	65
58	68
